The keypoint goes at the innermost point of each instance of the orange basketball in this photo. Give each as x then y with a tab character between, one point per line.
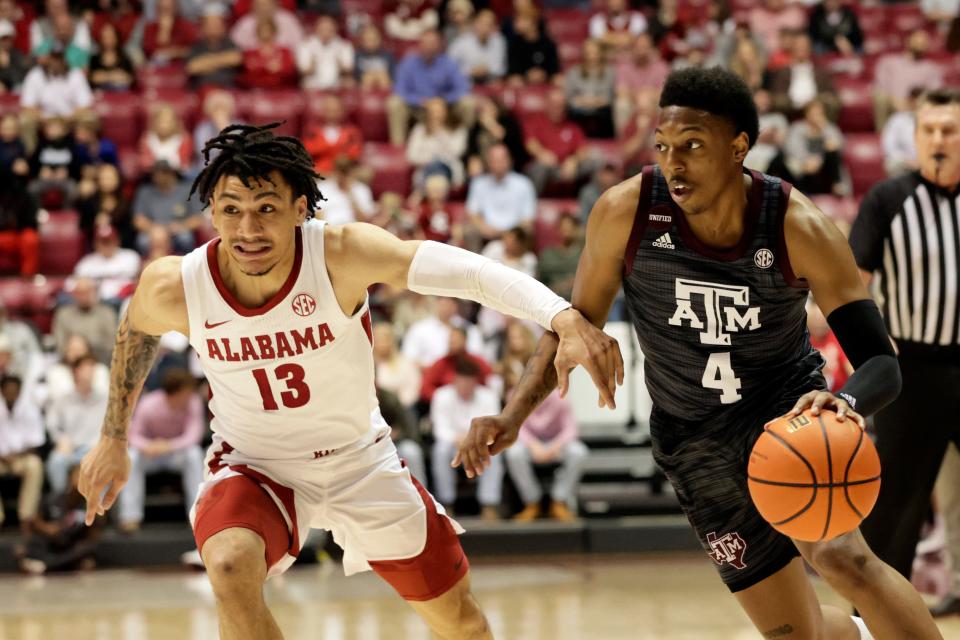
814	478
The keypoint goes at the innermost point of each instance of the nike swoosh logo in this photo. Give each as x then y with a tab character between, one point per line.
459	564
208	325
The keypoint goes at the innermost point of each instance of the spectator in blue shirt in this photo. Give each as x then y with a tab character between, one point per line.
422	75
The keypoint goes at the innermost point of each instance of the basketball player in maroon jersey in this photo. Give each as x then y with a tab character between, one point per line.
716	263
276	308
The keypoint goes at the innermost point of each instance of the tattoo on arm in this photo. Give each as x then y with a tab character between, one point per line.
133	357
779	632
538	380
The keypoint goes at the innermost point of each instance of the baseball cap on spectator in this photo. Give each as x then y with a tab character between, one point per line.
105	232
6	29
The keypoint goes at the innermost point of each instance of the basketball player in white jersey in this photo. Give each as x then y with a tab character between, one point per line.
276	308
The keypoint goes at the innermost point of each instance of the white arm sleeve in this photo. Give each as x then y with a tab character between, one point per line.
441	270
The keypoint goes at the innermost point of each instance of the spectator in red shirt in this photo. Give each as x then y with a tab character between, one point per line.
332	137
268	65
435	221
20	17
442	371
170	36
556	144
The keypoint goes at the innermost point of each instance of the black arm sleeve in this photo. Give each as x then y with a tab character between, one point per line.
869	231
875	382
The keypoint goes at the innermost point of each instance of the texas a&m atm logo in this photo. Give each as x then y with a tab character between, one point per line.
727	549
720	302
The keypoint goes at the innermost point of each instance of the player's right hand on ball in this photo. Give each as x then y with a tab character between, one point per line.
488	436
105	468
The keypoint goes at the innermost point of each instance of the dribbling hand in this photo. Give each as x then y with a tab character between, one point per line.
105	468
817	400
488	436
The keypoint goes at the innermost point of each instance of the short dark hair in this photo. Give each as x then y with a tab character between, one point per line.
464	366
716	91
939	97
520	234
86	358
175	380
251	153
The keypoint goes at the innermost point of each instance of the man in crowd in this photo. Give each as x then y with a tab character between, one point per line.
165	435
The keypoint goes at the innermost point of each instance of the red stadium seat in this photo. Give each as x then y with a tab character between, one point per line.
61	244
391	171
121	116
42	300
905	18
837	208
883	42
864	158
856	104
261	107
15	296
9	103
871	19
608	151
568	25
372	115
172	76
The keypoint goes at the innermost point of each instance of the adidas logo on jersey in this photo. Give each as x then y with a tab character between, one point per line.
664	242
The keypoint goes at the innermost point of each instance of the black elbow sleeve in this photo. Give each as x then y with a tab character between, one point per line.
876	380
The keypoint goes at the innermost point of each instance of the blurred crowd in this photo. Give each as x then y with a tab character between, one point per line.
507	120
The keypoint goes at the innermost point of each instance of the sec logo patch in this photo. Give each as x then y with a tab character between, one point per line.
304	304
763	258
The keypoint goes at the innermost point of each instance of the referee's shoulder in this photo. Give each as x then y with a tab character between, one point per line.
890	193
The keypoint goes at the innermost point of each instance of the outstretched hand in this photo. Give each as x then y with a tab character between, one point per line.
105	468
582	343
488	436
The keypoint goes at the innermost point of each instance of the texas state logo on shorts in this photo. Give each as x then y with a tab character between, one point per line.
727	549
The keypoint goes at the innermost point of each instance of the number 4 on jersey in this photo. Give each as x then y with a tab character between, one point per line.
297	393
719	375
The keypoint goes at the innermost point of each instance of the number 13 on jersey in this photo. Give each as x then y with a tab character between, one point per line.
719	375
296	394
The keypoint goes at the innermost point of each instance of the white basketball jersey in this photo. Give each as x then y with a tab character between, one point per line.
292	378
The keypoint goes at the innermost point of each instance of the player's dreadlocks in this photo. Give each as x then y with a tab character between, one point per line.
251	152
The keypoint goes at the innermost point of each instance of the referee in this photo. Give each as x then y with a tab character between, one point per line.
906	239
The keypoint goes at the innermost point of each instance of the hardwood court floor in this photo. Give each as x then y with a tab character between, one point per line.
673	597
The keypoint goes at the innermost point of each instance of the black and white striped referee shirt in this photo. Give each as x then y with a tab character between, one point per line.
908	234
